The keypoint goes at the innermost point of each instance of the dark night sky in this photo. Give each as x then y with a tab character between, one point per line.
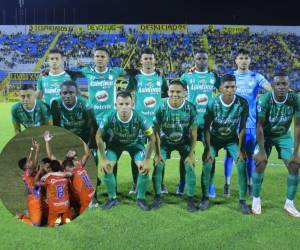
184	11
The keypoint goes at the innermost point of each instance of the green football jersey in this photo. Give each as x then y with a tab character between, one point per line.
124	133
278	115
50	85
148	90
175	123
200	86
102	88
226	118
77	119
39	115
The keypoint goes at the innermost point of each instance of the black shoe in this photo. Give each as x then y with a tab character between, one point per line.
157	202
249	190
244	207
204	204
227	190
191	207
142	204
110	204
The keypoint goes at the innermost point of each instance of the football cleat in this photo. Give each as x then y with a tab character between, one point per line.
291	209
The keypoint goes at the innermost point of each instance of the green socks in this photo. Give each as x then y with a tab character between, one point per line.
257	181
190	178
205	178
157	177
292	184
110	184
242	178
142	183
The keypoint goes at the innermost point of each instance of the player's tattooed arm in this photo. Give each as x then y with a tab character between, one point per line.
47	138
35	146
55	113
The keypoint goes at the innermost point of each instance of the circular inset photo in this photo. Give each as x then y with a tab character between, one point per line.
48	176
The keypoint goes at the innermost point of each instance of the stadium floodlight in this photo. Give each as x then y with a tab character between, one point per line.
21	3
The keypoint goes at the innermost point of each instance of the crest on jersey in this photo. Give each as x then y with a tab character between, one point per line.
175	137
110	77
258	108
101	96
251	82
158	83
224	131
149	102
201	99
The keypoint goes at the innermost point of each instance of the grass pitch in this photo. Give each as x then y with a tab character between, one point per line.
171	227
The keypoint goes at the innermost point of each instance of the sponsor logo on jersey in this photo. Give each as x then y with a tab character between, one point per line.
201	99
175	137
224	131
101	96
149	102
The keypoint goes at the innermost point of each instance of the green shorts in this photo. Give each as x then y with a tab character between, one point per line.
231	147
166	150
284	146
137	152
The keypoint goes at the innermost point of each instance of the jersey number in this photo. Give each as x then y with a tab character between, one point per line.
60	191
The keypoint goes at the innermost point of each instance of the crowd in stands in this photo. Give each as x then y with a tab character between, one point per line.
174	51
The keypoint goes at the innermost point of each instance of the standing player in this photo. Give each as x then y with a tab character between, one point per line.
48	86
123	127
175	129
29	112
248	84
224	116
201	85
57	195
148	88
70	111
275	113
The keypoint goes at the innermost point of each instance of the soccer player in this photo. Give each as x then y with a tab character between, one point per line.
57	195
148	87
201	86
71	112
29	112
175	129
34	202
225	115
124	127
48	86
275	112
248	84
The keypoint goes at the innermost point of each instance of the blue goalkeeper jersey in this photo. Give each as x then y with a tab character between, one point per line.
248	85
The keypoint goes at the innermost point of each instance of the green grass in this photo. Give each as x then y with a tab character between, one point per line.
171	227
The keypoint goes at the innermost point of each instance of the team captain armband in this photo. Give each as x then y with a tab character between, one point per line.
148	131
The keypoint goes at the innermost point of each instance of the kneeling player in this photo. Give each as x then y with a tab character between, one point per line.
175	129
224	116
275	113
123	127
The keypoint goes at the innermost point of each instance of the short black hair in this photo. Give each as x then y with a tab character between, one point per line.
55	166
27	87
69	83
228	78
124	94
101	49
201	51
281	72
148	51
177	82
68	163
22	163
46	160
55	51
243	51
